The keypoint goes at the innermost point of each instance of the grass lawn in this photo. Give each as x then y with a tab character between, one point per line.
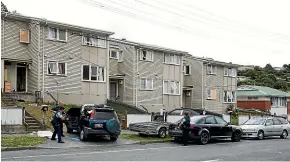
144	138
21	141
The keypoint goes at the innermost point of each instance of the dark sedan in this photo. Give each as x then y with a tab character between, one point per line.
206	127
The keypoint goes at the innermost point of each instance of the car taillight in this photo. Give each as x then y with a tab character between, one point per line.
92	114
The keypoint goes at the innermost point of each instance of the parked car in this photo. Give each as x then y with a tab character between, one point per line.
150	128
203	128
265	127
93	120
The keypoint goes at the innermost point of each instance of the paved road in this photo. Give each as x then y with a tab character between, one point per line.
246	150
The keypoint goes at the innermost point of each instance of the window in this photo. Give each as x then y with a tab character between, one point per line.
274	101
282	102
93	73
172	59
120	57
230	72
57	34
24	36
187	69
94	41
269	122
114	54
211	93
226	72
220	120
283	121
229	97
276	121
56	68
210	120
146	84
146	55
201	121
171	87
211	69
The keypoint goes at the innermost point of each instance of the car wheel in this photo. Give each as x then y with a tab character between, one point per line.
83	136
162	133
284	134
236	136
260	135
113	138
203	138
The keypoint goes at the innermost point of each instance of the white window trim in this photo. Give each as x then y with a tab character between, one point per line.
233	72
56	74
97	39
117	53
171	63
184	70
90	74
173	94
214	72
146	89
234	98
28	36
226	69
120	56
57	35
141	55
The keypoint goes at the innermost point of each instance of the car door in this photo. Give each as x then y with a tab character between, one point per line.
269	128
226	130
278	127
212	126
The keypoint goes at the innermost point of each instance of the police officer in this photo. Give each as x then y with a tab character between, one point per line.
185	129
61	124
56	122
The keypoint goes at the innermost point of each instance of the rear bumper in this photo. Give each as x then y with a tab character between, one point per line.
100	132
175	133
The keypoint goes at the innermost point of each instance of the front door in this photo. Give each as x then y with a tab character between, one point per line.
269	128
21	79
113	90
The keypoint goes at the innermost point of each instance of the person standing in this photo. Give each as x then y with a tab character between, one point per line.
56	122
185	129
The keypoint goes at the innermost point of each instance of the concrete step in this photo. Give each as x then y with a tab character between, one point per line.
33	127
33	124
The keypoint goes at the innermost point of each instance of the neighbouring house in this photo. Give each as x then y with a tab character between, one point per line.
246	67
209	84
66	60
263	98
288	103
145	75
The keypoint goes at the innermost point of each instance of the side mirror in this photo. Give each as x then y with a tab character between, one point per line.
228	123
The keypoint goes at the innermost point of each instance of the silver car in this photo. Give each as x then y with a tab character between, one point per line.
265	127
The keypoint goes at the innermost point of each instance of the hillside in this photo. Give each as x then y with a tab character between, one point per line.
267	76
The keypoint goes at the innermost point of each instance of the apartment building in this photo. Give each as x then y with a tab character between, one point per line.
209	84
145	75
68	61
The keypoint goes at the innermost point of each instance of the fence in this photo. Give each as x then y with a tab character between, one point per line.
11	116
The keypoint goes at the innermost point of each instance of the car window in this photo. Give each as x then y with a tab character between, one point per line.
105	115
269	122
210	120
276	122
185	111
176	112
220	120
255	121
283	121
201	121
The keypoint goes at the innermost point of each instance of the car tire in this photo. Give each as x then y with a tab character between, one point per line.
203	138
260	135
113	138
284	134
162	133
83	135
236	137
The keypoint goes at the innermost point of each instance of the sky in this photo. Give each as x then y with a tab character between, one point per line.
246	32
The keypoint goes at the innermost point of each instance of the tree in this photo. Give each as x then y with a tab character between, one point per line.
3	7
281	85
269	67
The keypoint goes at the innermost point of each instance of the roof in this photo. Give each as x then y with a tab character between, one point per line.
288	94
250	90
48	22
148	46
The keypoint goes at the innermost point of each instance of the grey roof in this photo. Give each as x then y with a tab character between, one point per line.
49	22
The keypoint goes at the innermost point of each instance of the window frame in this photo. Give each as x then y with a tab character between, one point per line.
213	69
211	91
175	82
146	80
98	38
141	56
117	54
28	35
57	63
175	56
217	117
57	34
233	97
189	69
210	117
90	74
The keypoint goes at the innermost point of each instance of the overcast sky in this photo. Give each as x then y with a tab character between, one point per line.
253	32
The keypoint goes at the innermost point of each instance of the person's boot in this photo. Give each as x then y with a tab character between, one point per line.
60	142
63	135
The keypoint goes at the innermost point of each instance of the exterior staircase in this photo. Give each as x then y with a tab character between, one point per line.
32	124
7	100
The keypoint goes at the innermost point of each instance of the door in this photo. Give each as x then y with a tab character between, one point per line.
226	130
113	90
21	79
269	127
212	126
278	127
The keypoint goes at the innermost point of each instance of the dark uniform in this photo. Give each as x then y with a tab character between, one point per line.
185	129
56	122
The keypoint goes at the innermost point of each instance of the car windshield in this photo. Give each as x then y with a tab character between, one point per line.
254	122
105	115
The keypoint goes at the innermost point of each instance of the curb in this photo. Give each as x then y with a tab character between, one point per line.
75	147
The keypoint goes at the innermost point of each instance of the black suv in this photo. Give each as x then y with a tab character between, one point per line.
94	121
206	127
